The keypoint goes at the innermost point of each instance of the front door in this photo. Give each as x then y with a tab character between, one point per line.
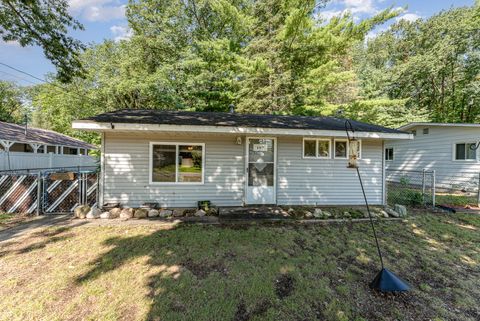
261	171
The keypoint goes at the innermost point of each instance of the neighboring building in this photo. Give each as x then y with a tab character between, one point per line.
178	158
23	147
449	149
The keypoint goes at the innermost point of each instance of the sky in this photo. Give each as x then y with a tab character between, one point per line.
105	19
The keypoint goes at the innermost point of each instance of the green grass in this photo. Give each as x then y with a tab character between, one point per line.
258	272
4	217
456	199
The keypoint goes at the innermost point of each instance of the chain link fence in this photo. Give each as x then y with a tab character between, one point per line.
410	188
48	190
459	190
428	188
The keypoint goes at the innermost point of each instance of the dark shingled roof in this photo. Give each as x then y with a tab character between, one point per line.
153	116
16	133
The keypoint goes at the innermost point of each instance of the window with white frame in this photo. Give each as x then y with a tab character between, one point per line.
465	151
180	163
389	154
310	148
340	148
316	148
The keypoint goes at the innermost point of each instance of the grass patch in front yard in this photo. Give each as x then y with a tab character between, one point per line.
456	199
239	272
5	217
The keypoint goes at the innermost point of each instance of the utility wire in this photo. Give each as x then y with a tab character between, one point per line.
46	82
18	77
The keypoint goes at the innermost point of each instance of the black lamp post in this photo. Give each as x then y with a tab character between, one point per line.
385	280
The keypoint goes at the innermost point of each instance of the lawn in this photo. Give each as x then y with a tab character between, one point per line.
275	272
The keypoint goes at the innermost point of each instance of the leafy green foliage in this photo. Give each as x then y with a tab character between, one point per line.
432	65
11	109
44	23
264	56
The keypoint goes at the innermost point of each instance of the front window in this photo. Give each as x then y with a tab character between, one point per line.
177	163
316	148
465	151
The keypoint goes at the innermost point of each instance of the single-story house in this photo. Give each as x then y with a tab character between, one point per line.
176	158
449	149
25	147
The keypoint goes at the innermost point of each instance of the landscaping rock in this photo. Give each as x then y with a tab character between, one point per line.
177	213
189	212
391	212
326	214
200	213
81	211
115	212
165	213
308	215
127	213
318	213
383	213
106	215
94	213
141	213
291	211
153	213
401	210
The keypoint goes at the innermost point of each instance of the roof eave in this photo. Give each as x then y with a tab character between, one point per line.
90	125
424	124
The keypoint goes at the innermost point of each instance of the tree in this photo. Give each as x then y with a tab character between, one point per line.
11	109
263	56
433	64
295	63
44	23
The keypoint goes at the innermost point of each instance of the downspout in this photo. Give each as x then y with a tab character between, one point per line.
384	196
102	172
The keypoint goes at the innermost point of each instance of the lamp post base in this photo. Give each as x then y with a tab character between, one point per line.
387	281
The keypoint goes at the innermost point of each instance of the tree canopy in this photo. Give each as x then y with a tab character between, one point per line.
432	65
271	56
11	103
44	23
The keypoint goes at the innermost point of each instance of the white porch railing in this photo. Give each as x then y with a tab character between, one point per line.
19	160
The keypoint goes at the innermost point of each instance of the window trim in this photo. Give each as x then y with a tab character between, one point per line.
347	151
386	154
303	148
454	152
329	148
176	144
329	140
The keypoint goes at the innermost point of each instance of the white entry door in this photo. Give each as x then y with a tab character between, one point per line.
261	171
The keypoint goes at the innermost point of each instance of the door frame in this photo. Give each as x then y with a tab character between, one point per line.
247	155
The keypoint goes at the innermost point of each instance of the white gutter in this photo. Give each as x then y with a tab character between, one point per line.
411	125
112	127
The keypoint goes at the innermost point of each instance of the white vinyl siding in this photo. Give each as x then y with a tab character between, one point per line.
436	151
299	180
127	171
311	181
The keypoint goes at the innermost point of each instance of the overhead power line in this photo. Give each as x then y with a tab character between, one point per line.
45	81
18	77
